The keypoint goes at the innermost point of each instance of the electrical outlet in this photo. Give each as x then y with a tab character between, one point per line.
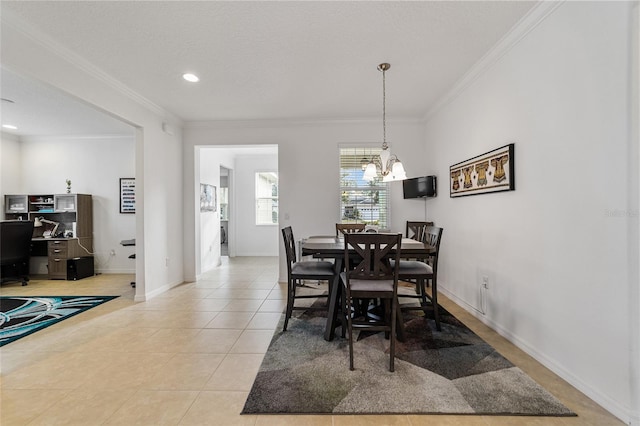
166	261
485	282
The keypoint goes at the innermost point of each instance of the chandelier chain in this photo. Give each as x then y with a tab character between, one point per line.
389	164
384	110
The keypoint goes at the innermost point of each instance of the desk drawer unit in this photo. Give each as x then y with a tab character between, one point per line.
58	260
60	251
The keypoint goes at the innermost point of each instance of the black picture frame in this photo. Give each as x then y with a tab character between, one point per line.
493	171
127	195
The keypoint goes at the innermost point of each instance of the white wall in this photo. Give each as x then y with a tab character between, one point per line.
309	170
556	250
251	239
10	171
94	165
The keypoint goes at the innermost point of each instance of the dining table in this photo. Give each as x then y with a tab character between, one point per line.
330	247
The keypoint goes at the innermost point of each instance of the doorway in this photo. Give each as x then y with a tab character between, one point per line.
231	169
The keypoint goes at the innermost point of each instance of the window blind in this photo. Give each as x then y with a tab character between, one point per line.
361	201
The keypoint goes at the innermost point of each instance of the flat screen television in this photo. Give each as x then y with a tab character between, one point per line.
420	187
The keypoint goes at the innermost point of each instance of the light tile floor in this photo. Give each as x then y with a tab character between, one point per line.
189	357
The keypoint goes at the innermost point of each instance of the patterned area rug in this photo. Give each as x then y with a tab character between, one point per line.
21	316
447	372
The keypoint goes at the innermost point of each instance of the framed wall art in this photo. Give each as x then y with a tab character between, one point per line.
493	171
127	195
207	198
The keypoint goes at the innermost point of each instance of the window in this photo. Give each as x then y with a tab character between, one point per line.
361	201
266	198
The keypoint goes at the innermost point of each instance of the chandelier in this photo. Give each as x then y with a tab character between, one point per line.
389	164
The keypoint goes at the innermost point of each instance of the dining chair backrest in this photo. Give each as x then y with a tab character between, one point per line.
373	255
289	246
415	229
348	228
432	237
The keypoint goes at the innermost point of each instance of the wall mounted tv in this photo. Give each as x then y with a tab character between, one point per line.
420	187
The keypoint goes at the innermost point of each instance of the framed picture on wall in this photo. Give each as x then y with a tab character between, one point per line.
493	171
207	198
127	195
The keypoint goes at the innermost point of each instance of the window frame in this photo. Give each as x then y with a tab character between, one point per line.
273	198
360	152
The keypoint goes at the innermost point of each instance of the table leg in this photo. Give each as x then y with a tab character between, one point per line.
334	300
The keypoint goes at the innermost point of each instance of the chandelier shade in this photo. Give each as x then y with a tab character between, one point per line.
371	172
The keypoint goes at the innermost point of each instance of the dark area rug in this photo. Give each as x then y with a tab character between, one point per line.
21	316
448	372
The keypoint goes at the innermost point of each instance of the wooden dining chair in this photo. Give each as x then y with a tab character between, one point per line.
415	231
371	278
348	228
423	271
298	271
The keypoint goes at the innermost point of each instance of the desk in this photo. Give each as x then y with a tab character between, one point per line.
333	248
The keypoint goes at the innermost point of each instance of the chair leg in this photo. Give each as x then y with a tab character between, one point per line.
387	316
291	294
343	318
350	331
423	291
392	350
399	322
434	302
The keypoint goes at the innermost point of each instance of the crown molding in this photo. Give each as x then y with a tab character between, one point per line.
10	20
96	137
235	124
524	26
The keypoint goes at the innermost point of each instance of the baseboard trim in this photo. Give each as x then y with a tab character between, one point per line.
604	401
150	295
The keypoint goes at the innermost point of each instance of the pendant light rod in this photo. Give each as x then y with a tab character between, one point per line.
384	67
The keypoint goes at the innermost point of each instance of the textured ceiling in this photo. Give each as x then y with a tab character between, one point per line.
279	60
41	110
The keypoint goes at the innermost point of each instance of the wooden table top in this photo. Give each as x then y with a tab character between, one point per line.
327	246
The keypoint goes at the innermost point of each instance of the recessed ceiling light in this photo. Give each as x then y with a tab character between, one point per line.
191	77
9	126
